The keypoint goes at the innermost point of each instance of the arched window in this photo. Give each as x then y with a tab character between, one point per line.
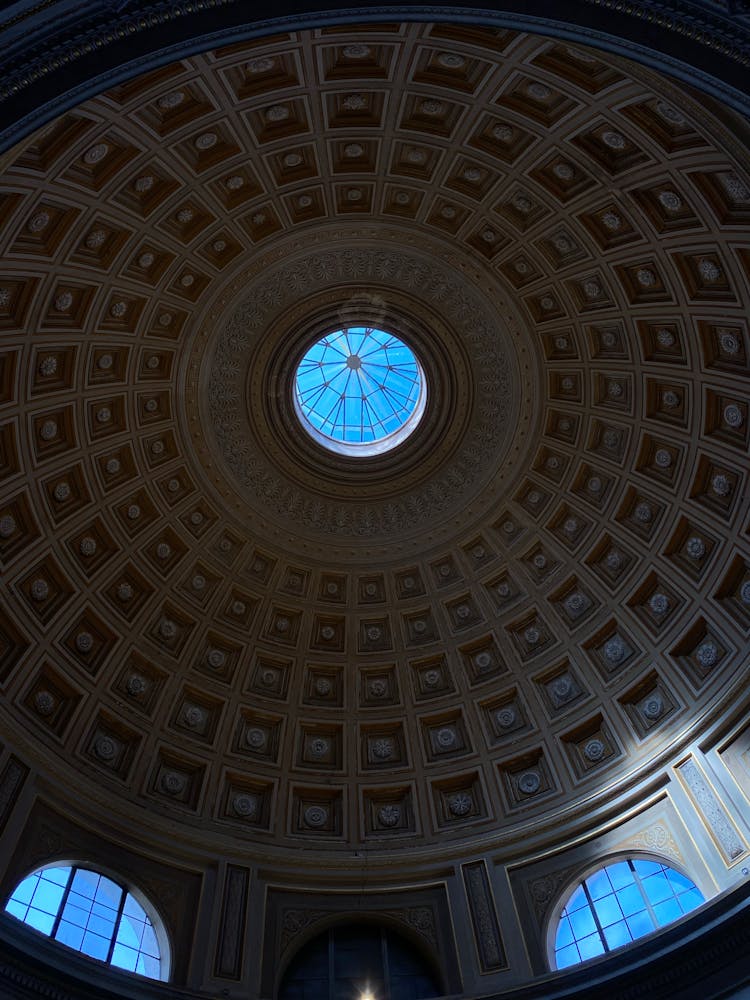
619	903
93	914
358	962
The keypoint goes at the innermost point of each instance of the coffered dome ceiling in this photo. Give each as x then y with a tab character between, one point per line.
538	599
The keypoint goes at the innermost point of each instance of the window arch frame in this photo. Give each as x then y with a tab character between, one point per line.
590	868
128	887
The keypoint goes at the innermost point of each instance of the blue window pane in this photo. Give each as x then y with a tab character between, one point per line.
129	932
678	881
25	890
640	924
608	910
85	883
690	899
567	956
645	868
124	958
582	922
95	946
105	912
657	888
108	893
81	901
133	908
667	912
69	934
577	900
76	915
15	909
631	900
564	933
101	926
149	944
620	874
47	896
590	946
617	934
43	922
148	966
598	884
59	876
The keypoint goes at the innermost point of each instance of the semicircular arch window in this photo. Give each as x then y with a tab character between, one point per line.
359	391
92	914
619	903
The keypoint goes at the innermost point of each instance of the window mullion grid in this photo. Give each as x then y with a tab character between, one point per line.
63	901
116	931
595	915
644	896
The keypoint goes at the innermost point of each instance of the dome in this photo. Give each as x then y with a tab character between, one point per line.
440	639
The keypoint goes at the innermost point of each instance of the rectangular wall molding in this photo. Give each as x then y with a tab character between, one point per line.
232	930
483	917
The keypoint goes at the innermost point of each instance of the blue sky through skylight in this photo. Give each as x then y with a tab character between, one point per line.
358	385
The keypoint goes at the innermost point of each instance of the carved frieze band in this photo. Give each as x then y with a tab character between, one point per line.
11	782
713	813
232	930
484	917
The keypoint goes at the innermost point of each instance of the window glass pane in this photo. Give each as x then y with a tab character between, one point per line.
617	934
59	876
678	881
667	912
631	900
129	932
567	956
105	912
598	884
620	874
133	908
645	868
657	888
25	890
564	933
69	934
582	922
108	893
75	914
608	910
577	900
148	966
18	910
43	922
640	923
590	946
100	925
358	385
48	896
124	958
149	944
85	883
690	899
95	946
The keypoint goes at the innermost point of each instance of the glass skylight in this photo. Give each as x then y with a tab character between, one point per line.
359	391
